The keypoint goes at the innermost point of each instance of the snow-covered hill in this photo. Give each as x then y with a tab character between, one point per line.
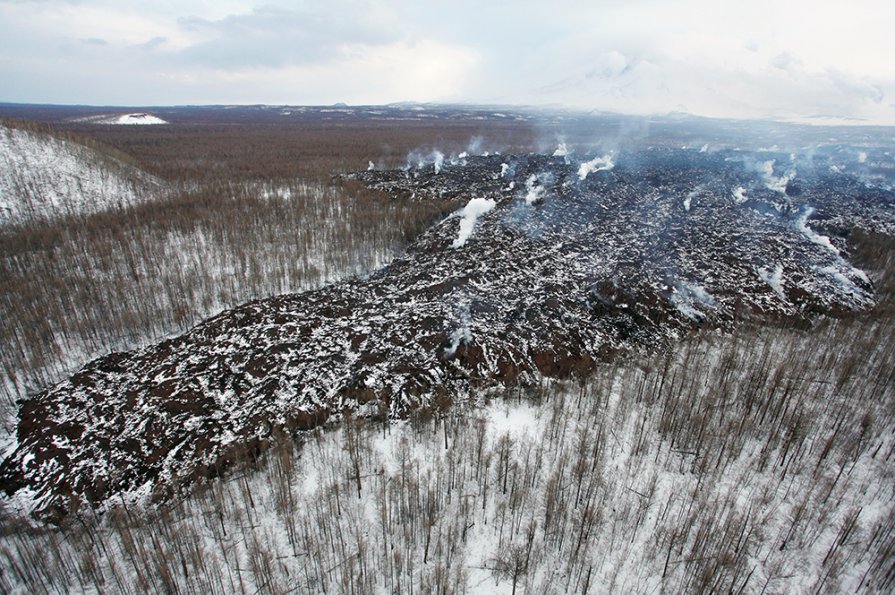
134	119
549	268
43	176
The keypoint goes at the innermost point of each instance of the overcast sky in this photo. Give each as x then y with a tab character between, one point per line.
819	60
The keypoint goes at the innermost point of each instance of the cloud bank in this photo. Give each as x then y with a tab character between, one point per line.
819	62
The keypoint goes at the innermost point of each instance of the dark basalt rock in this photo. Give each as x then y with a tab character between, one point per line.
629	258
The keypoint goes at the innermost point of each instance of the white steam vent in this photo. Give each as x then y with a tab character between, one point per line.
774	279
471	213
463	333
688	297
772	182
819	239
561	150
533	190
603	163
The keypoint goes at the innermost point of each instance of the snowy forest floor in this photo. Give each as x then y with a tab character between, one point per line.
81	287
761	460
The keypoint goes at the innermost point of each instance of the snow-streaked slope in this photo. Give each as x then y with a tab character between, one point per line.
44	177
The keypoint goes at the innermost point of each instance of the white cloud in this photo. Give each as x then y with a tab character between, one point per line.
273	36
359	74
792	60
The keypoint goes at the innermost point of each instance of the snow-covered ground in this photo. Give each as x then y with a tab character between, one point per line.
756	462
43	177
144	281
610	266
138	120
134	119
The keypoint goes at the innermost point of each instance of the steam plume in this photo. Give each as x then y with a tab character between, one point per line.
820	240
603	163
534	191
461	333
774	279
471	212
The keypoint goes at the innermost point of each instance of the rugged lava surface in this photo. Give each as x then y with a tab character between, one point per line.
563	271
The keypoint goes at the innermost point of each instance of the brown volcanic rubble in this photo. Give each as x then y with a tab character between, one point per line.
596	268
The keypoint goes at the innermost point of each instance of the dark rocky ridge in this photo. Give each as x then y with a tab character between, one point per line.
614	262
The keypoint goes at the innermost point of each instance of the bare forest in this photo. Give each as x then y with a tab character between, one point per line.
754	459
758	461
238	213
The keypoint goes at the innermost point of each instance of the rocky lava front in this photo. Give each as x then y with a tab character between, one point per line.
565	268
